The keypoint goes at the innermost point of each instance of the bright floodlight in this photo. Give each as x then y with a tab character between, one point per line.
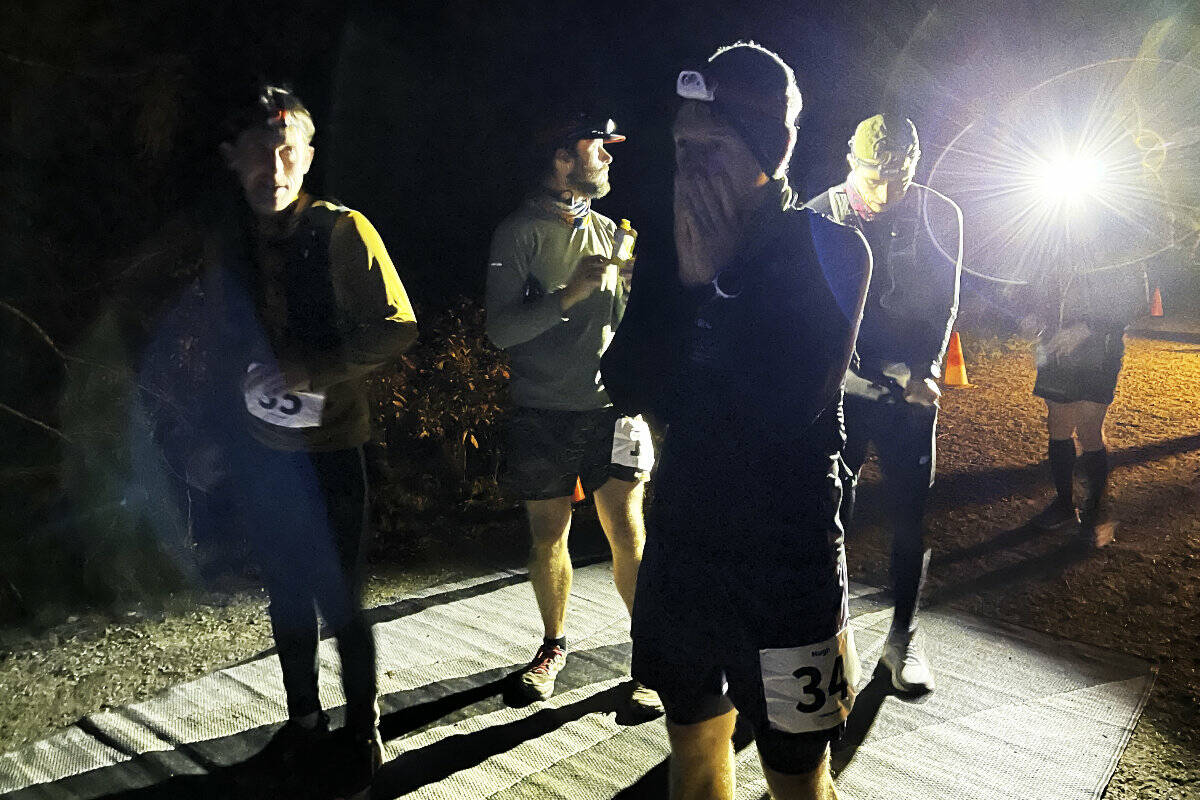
1071	178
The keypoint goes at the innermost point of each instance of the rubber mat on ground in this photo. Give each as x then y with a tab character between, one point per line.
1016	714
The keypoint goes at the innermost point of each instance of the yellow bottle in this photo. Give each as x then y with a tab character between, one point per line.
623	240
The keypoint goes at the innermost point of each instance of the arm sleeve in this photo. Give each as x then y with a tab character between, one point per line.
513	318
846	263
945	263
375	316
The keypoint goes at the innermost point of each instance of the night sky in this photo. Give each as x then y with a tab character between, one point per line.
419	105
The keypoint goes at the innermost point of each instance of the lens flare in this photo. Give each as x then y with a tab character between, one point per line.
1097	168
1071	179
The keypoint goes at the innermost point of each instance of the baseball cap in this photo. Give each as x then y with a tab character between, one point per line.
572	127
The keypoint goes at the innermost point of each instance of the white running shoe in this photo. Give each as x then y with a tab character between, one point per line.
904	656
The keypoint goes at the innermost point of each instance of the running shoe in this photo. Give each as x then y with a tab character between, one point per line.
361	758
537	681
1056	516
1097	529
904	656
294	744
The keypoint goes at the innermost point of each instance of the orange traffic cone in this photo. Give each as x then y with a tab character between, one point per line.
1156	303
956	369
579	496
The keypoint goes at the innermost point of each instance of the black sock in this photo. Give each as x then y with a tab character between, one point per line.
1094	464
560	642
1062	468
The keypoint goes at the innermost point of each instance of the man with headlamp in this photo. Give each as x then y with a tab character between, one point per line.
554	300
741	602
915	235
304	302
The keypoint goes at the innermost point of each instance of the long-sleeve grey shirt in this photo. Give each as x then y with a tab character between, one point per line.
554	355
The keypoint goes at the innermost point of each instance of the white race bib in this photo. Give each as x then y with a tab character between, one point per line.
631	444
810	688
288	409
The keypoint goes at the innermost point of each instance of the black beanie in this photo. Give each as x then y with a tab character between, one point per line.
756	93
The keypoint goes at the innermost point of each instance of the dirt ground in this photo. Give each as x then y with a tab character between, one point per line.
1140	595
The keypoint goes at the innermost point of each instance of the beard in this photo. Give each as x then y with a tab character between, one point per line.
591	183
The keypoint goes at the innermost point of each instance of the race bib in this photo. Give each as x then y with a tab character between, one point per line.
631	444
288	409
810	688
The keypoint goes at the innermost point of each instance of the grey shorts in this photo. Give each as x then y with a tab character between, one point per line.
545	450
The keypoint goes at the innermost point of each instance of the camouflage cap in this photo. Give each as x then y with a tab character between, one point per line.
887	142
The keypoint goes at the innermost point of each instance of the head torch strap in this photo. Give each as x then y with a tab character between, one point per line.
692	85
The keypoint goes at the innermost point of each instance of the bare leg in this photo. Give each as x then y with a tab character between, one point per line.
1090	424
1061	419
815	785
619	506
702	759
1094	460
549	562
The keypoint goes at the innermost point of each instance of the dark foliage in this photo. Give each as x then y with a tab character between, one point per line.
438	419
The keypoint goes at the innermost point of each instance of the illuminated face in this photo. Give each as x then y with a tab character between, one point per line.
879	189
707	148
588	174
271	165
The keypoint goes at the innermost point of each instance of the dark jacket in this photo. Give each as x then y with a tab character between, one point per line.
759	354
916	252
1107	301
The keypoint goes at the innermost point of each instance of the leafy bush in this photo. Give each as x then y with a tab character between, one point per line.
438	419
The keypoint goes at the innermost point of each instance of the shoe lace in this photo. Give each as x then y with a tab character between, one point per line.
912	651
544	658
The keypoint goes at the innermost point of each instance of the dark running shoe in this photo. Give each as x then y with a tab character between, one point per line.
1097	529
360	758
537	681
294	744
1056	516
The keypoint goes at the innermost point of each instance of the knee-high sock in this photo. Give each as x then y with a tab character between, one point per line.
1094	464
1062	468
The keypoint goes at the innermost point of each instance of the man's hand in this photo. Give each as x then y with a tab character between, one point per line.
707	225
587	278
923	393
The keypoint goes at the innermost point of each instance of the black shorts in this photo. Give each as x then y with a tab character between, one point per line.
1088	373
545	450
742	594
787	753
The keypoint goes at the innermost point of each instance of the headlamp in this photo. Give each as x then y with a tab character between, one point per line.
889	163
587	126
690	85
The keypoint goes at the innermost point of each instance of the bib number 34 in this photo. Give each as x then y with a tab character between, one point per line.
810	688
